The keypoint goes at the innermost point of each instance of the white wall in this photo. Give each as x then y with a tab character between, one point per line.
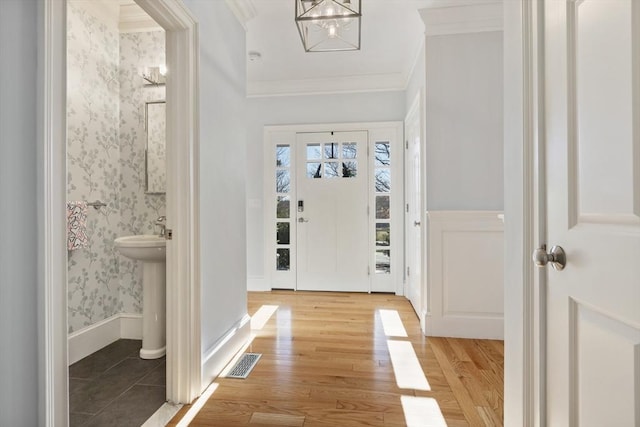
222	169
464	170
310	109
464	121
19	370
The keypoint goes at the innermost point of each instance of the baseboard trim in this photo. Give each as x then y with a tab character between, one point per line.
219	354
92	338
461	327
257	284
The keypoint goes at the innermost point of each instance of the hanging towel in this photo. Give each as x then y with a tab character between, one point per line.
76	225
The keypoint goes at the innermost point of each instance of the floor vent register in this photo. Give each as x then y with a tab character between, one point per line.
243	368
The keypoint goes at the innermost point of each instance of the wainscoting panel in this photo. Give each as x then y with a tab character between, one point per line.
465	274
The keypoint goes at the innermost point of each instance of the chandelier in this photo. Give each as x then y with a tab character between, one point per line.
329	25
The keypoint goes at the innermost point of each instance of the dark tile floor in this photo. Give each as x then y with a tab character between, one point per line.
114	387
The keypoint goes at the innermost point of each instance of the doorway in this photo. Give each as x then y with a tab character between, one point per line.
414	208
116	164
183	340
334	198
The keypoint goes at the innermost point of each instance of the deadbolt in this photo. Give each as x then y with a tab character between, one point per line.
556	257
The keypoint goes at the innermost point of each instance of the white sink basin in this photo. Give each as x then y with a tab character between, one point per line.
145	247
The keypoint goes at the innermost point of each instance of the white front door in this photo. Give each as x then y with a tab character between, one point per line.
332	220
593	198
414	212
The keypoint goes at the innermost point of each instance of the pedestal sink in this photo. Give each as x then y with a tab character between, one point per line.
151	250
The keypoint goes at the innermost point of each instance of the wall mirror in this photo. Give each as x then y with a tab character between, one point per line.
155	151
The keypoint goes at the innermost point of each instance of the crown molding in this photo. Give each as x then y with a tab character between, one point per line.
331	85
244	10
133	19
461	19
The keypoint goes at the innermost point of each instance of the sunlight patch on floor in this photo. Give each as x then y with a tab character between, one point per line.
392	324
262	316
422	412
406	366
198	404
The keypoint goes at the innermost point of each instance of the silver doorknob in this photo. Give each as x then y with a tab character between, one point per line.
301	220
416	223
556	257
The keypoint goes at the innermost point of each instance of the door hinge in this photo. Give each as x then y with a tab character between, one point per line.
368	271
408	271
367	210
407	207
168	234
407	144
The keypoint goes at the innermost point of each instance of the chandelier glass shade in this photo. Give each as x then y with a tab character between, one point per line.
329	25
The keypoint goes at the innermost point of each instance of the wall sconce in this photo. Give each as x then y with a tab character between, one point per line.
329	25
155	75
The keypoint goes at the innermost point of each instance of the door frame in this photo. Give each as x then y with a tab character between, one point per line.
525	213
416	112
286	134
183	258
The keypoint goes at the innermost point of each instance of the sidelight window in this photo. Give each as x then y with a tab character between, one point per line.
382	185
283	207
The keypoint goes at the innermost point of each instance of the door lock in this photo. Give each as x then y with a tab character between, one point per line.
301	220
556	257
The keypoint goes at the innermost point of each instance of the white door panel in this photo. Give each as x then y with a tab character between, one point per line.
414	212
593	198
332	228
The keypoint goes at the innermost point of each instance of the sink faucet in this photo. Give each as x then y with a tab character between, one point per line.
161	221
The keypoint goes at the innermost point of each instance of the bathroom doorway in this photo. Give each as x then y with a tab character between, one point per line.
183	340
116	185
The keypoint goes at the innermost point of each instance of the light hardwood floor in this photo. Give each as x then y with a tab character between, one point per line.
329	359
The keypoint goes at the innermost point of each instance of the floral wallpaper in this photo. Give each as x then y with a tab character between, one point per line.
156	147
138	210
105	159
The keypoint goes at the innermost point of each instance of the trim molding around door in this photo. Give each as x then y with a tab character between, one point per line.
183	314
52	194
184	354
524	218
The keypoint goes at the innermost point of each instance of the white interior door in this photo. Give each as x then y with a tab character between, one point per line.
332	199
414	212
593	198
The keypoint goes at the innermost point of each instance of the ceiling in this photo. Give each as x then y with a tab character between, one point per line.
392	36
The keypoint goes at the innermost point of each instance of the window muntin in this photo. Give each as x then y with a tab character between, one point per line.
332	160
